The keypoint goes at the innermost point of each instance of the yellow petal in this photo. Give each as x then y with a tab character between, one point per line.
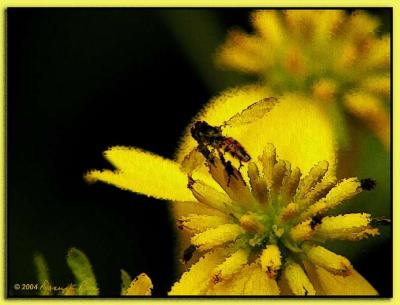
271	260
251	280
308	182
378	84
145	173
289	212
344	190
378	56
252	223
217	236
211	197
331	284
141	285
290	184
233	183
302	231
268	161
230	266
196	279
319	191
328	260
324	90
350	226
370	110
258	185
269	25
70	290
244	52
295	281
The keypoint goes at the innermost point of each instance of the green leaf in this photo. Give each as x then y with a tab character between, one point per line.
126	280
42	272
83	272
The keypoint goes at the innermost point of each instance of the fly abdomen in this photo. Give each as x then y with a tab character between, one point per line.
236	150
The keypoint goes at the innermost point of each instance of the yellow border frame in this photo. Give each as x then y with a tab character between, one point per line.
212	3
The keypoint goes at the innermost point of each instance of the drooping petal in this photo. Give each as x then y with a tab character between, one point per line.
331	284
251	280
145	173
195	281
294	281
141	285
328	260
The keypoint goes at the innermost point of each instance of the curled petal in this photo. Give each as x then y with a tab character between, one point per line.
251	280
195	280
328	260
230	266
328	283
295	281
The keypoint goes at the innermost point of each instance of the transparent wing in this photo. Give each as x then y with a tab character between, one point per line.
252	113
192	161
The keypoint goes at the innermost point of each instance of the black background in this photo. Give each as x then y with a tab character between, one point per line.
78	82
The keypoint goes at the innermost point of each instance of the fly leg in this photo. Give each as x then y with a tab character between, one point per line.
228	167
208	155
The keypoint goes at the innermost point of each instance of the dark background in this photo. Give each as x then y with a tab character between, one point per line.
80	81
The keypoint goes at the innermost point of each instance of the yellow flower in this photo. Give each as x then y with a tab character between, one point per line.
255	229
333	56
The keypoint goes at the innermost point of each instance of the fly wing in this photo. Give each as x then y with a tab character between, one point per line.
252	113
192	160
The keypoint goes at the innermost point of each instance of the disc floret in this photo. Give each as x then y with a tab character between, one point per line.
270	218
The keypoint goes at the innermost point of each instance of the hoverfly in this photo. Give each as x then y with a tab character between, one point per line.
211	138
